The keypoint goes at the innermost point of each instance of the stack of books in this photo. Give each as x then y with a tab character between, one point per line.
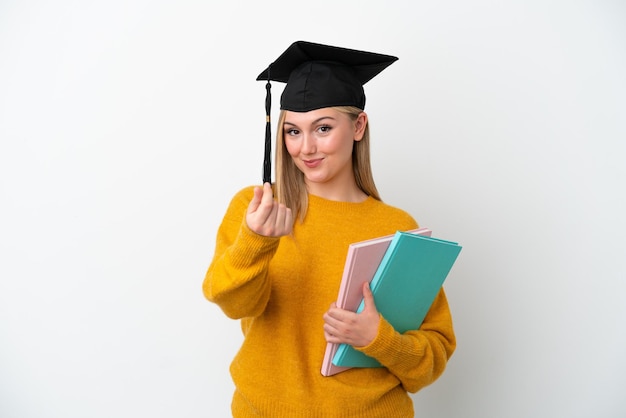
406	271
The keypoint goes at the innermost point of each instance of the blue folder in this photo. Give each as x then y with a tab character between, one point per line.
404	286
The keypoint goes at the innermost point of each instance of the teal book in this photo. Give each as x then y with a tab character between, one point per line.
404	286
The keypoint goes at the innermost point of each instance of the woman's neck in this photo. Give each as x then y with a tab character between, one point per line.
346	192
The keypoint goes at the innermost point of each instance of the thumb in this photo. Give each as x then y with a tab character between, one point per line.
368	298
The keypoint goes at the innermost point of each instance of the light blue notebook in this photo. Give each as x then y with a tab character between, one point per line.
405	285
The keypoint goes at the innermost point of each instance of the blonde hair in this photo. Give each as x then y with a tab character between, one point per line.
290	186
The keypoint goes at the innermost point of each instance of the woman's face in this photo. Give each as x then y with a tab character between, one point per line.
320	143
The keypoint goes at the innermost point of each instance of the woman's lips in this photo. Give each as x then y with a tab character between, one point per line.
312	163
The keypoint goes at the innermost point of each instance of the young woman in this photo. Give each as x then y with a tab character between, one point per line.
280	253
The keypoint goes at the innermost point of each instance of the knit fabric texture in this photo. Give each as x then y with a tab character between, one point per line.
280	288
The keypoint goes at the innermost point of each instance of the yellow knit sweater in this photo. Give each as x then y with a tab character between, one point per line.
281	287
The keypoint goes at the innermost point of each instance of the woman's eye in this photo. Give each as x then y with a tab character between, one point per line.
292	132
324	129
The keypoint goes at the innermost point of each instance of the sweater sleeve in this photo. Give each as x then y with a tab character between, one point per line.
237	279
417	358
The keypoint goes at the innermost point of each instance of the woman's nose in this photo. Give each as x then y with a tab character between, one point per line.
308	144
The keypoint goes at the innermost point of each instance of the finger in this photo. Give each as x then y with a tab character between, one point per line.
256	200
268	194
331	332
266	208
330	337
283	219
335	313
331	323
280	216
271	220
288	220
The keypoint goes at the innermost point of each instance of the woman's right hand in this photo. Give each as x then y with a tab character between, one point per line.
267	217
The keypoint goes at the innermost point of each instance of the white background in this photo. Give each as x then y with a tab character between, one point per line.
126	127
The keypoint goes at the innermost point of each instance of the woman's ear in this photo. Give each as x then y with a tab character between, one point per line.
359	126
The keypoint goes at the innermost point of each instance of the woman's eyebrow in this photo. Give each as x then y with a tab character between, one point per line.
312	123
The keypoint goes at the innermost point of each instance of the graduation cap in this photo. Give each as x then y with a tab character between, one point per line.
318	76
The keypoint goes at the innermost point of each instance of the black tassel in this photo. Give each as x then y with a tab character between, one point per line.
267	160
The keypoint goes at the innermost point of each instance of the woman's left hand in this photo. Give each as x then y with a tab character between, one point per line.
359	330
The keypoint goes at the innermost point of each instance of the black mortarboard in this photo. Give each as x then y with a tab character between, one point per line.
319	76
